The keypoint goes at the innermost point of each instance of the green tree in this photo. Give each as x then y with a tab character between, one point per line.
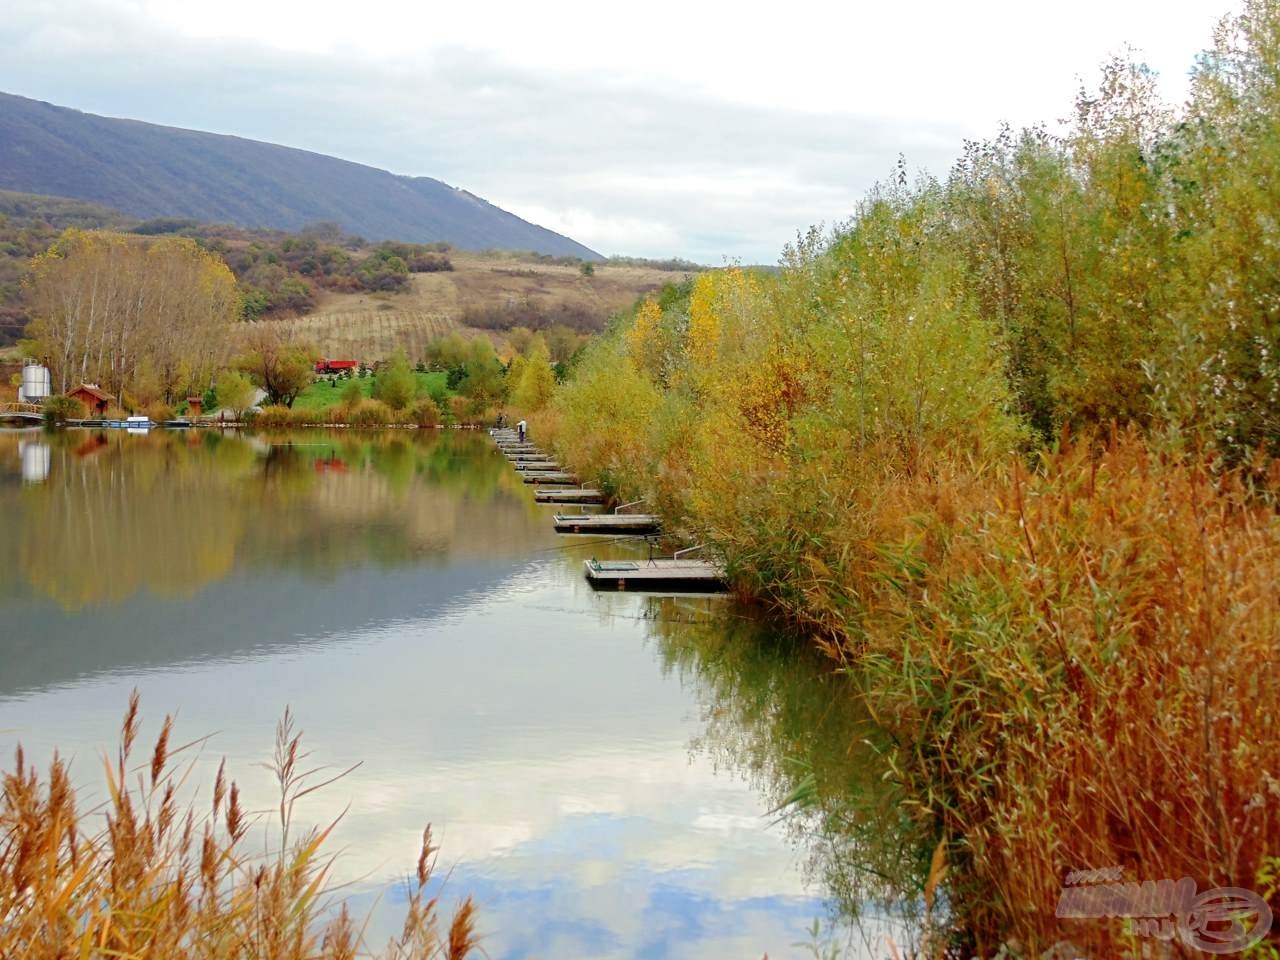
483	380
396	386
234	392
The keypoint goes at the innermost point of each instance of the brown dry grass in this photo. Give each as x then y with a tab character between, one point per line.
146	875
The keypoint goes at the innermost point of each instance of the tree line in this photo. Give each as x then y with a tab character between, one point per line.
149	317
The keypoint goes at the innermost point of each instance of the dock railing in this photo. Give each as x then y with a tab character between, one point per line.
677	554
622	506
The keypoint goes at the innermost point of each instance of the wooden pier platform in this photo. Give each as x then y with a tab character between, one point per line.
537	465
530	458
573	495
637	523
655	576
531	476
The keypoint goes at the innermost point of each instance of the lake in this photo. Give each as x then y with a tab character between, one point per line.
601	770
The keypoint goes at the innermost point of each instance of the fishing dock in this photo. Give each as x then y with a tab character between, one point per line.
641	524
679	573
549	476
569	495
619	521
657	575
533	465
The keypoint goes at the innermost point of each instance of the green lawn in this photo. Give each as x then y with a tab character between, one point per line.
320	394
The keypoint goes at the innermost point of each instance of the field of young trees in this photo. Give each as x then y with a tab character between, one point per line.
369	334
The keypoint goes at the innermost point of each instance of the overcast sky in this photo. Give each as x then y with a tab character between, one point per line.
708	131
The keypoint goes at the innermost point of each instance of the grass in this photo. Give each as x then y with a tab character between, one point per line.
147	875
320	394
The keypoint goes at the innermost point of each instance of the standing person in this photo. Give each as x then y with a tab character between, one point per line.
520	428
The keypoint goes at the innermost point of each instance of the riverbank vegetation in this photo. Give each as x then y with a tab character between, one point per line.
1005	444
147	874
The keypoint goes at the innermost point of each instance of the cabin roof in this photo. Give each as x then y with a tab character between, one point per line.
94	391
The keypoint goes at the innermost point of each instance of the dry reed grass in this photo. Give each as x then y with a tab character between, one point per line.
148	876
1082	667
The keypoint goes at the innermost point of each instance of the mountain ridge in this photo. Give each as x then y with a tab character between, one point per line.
151	170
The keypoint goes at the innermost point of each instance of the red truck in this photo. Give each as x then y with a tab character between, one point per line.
336	366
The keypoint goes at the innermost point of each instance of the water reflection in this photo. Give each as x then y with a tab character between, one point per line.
776	710
406	596
35	461
171	513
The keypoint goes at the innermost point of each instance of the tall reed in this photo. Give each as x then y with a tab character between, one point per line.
147	874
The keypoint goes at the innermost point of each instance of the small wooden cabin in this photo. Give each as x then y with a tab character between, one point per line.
95	399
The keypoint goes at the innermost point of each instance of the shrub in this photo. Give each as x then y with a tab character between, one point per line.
352	395
59	408
274	415
429	263
462	410
535	316
370	413
158	411
425	413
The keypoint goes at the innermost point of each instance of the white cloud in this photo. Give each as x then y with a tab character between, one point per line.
695	130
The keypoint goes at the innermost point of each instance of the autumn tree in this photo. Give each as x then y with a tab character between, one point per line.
537	381
235	392
278	363
133	314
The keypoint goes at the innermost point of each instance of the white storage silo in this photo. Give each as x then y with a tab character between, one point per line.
37	383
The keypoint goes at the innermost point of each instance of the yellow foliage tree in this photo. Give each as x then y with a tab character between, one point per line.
537	380
149	316
644	339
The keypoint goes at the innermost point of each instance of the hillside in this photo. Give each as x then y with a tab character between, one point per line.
351	297
148	170
483	292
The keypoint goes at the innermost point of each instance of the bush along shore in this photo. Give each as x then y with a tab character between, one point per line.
471	390
1004	445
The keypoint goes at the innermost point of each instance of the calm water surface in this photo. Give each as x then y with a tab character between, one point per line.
599	769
